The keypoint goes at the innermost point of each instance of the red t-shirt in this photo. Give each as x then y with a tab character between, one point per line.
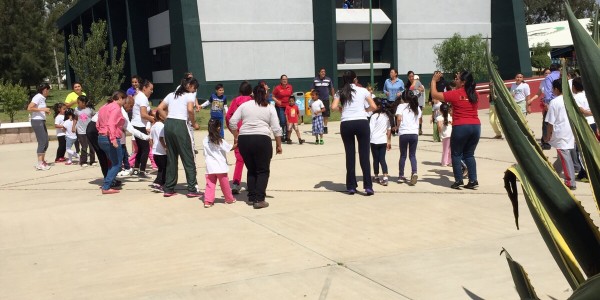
463	111
291	114
283	94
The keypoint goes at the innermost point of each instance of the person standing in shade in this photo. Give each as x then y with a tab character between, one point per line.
521	94
466	127
254	140
281	95
180	108
354	103
141	120
324	85
38	109
393	87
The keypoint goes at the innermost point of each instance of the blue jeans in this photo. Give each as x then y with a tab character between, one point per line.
463	143
282	121
408	141
114	155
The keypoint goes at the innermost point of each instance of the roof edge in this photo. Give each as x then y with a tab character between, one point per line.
75	11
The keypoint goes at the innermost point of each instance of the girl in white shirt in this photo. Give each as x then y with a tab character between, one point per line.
381	140
71	135
215	153
407	116
159	150
444	125
59	120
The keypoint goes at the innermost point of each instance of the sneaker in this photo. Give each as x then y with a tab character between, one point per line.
230	202
456	185
68	163
413	179
116	183
472	185
260	204
316	142
143	175
169	194
321	142
572	188
384	181
300	141
376	179
42	167
126	172
235	188
109	191
369	192
194	194
351	191
93	164
62	159
208	205
83	165
402	179
157	187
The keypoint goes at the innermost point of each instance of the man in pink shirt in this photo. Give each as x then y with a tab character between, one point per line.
110	130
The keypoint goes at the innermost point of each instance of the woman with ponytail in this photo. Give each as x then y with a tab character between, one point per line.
466	127
354	102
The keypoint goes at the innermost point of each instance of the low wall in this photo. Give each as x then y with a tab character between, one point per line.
13	133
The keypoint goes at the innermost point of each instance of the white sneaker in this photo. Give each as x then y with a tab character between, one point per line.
126	172
42	167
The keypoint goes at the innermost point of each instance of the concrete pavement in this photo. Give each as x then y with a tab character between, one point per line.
61	239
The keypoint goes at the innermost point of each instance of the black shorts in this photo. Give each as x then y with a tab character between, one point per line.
327	112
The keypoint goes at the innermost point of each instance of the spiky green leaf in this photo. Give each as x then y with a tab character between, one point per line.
589	290
520	278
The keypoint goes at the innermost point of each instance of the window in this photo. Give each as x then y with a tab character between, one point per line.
161	58
356	52
356	4
155	7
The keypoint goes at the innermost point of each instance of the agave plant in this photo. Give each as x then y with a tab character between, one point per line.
566	228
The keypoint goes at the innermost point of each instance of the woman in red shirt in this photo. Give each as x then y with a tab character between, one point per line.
466	127
281	95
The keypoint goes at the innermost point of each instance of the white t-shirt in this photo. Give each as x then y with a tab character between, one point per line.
59	120
380	124
41	103
136	114
520	92
582	102
156	132
446	129
410	121
316	107
562	137
216	156
355	109
178	106
69	129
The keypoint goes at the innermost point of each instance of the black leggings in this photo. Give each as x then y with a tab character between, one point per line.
92	135
257	151
378	152
161	163
359	129
62	147
141	157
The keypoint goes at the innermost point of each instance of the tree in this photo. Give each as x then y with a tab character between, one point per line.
55	9
99	69
544	11
540	58
458	53
24	53
13	97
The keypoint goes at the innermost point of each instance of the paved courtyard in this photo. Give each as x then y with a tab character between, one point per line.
61	239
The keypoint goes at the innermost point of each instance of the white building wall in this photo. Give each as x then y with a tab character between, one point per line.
259	39
420	28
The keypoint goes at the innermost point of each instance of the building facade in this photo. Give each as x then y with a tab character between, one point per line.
230	41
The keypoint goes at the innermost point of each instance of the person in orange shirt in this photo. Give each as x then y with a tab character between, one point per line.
291	116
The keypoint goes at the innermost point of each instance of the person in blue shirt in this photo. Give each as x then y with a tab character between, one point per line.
393	86
218	105
548	96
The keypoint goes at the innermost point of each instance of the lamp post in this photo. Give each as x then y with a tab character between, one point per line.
371	43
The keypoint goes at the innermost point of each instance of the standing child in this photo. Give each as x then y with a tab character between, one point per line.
435	113
317	109
59	120
218	106
70	134
84	114
215	152
444	125
408	115
159	149
381	140
291	116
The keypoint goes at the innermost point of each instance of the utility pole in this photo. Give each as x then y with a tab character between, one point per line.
371	43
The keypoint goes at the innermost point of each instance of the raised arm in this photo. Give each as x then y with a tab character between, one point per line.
435	94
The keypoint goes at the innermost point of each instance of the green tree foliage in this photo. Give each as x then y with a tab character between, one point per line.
55	9
458	53
13	98
24	53
540	58
99	69
544	11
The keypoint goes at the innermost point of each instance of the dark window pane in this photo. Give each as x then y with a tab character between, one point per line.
155	7
341	52
161	58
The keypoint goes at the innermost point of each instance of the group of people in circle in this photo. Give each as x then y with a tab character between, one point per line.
165	134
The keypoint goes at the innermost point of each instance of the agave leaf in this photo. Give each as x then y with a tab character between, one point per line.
571	220
589	290
520	278
585	137
596	30
588	54
559	249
